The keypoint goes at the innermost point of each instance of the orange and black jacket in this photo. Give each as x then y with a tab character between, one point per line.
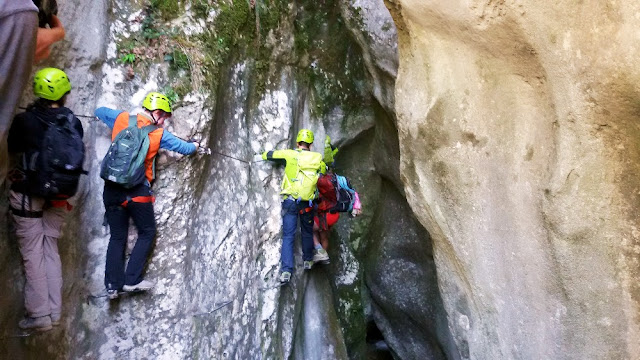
118	120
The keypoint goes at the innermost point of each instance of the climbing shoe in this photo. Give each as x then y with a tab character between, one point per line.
55	319
308	265
143	285
321	256
285	277
112	294
42	323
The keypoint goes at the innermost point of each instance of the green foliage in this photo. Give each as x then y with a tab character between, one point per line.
200	8
166	9
171	94
241	29
154	42
182	87
178	61
240	26
127	58
177	90
336	67
149	29
126	45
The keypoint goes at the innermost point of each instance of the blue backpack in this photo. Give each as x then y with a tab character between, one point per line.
346	195
124	163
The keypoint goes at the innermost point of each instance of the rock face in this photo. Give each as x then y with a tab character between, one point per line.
494	146
329	66
518	130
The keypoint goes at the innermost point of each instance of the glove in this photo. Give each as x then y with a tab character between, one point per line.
329	152
257	157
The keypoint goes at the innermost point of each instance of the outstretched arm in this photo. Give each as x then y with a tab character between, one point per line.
174	143
107	115
277	156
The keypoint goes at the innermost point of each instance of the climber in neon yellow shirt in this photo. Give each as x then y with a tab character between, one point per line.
301	172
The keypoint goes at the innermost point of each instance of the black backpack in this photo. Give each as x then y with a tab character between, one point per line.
54	171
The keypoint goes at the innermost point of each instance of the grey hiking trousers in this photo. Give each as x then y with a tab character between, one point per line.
38	242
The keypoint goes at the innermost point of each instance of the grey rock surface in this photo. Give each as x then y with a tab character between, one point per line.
517	149
216	257
494	146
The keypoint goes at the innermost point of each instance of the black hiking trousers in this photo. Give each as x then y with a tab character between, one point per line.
118	218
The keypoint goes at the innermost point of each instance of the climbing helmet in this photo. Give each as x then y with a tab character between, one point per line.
157	101
305	135
51	84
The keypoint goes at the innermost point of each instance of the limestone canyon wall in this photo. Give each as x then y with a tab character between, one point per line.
494	145
518	124
246	77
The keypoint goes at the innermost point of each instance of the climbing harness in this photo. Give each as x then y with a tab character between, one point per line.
139	199
306	210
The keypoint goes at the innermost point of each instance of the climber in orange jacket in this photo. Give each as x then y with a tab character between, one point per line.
136	202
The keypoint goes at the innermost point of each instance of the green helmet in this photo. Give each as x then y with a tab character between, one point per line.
51	84
155	101
305	135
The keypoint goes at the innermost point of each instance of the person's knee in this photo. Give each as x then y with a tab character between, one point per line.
147	231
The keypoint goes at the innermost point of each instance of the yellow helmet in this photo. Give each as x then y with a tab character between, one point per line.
51	84
157	101
305	135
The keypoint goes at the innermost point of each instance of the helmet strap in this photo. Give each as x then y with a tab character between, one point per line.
155	121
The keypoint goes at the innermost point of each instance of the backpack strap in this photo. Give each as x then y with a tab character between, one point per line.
26	213
148	129
69	117
133	120
322	221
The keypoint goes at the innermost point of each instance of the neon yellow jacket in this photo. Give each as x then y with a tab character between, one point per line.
301	172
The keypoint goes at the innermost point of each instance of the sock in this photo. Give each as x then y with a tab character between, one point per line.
318	247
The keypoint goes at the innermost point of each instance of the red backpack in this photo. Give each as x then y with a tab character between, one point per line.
327	189
336	193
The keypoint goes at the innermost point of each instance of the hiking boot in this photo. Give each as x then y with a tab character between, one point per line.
112	294
42	323
308	264
285	277
143	285
55	319
321	256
